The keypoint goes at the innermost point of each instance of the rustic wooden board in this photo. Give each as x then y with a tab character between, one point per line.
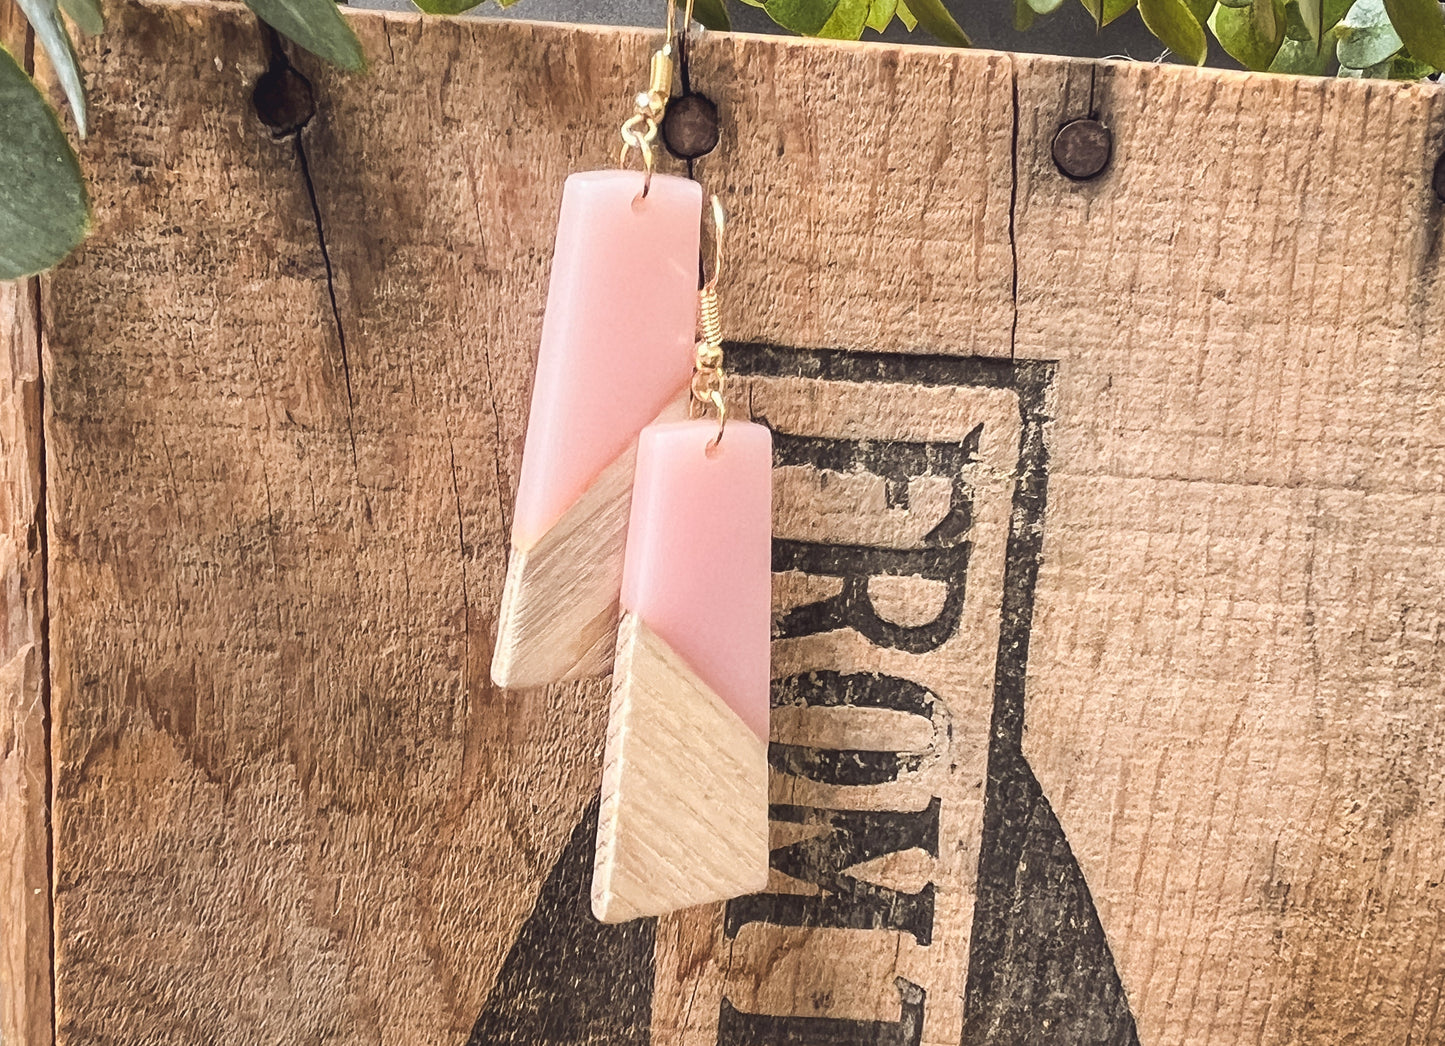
25	923
1238	658
1107	554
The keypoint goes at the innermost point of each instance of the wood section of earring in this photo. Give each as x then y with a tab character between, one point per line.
616	355
684	815
684	790
558	619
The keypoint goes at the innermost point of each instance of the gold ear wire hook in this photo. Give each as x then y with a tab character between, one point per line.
709	379
640	129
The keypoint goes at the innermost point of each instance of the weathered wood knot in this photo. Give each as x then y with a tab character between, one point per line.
283	100
1082	148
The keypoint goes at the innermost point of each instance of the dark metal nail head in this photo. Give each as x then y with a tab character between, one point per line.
690	126
1082	149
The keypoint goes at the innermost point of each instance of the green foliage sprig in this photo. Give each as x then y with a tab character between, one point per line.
44	212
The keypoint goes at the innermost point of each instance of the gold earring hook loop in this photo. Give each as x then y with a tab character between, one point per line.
719	226
709	380
639	131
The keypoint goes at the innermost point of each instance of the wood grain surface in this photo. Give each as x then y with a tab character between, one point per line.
1110	518
25	923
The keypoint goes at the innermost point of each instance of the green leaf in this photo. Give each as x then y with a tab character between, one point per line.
1304	57
1404	67
446	7
880	13
935	18
1312	14
1236	3
1176	27
1044	7
1115	8
1421	27
801	16
317	26
1105	11
44	18
1332	11
1366	37
86	14
846	21
1024	16
43	210
1251	36
1200	9
713	14
1294	26
1374	72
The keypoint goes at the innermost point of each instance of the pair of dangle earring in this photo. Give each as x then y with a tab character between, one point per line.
641	537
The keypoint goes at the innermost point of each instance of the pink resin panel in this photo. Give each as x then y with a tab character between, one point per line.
617	336
699	555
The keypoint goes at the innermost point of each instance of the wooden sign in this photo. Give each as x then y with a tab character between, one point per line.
1109	557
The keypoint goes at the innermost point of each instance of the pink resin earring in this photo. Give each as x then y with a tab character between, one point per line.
622	500
615	355
684	816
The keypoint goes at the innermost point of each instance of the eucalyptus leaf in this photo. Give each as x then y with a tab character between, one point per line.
880	13
86	14
1176	27
1366	37
1096	10
44	18
1024	16
1304	57
906	16
1374	72
846	21
43	209
1251	36
1044	7
711	14
1421	28
317	26
1236	3
935	18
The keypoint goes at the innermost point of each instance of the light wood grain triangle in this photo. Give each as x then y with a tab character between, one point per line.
684	815
558	618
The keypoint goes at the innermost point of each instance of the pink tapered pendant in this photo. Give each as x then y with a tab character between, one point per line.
684	816
616	354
